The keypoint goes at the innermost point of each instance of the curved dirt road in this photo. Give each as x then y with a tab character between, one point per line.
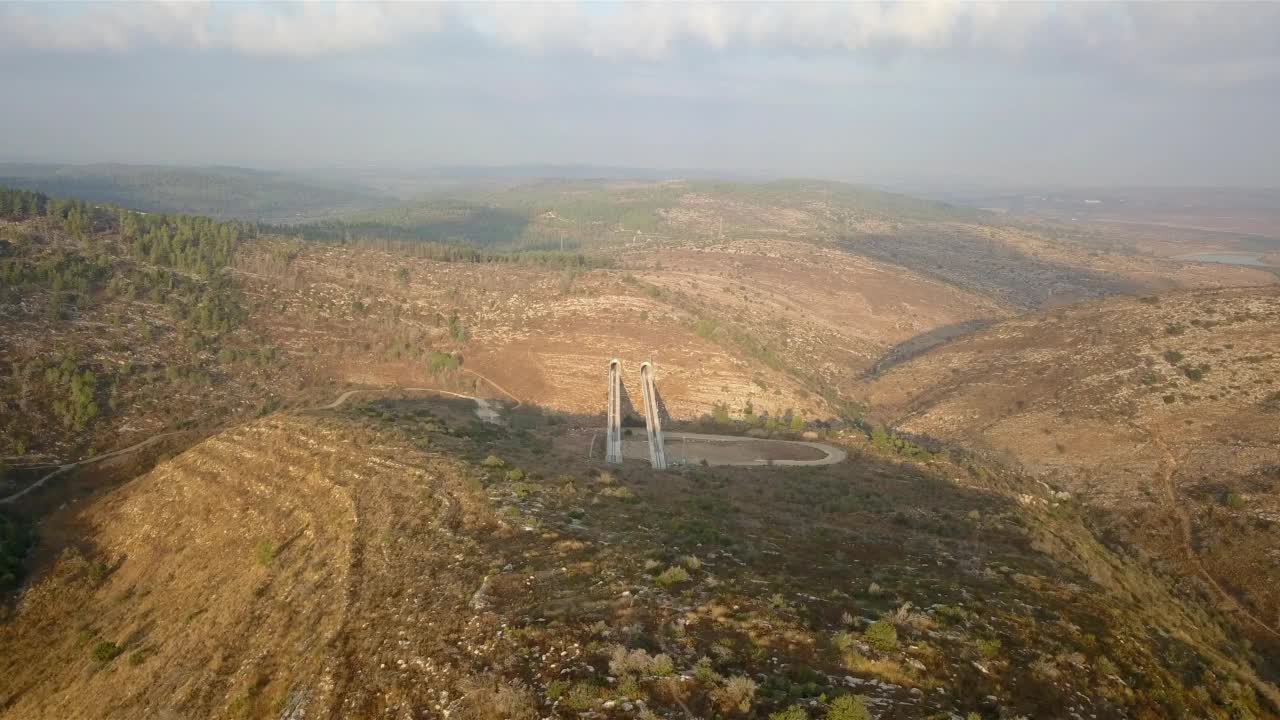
1169	466
483	410
96	458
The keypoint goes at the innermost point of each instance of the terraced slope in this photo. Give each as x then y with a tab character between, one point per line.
1165	409
394	559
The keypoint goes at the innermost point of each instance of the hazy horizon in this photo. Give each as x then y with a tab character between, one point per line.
1071	95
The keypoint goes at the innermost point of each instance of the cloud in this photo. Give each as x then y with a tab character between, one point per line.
1192	42
304	29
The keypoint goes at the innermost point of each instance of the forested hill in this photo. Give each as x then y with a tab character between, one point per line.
217	192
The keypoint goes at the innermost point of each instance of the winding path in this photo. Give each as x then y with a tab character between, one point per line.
483	409
87	461
1168	467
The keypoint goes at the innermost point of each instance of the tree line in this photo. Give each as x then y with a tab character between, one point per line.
388	238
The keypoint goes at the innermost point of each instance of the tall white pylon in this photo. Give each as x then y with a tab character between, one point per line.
652	422
613	434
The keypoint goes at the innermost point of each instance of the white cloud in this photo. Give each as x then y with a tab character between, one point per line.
1197	42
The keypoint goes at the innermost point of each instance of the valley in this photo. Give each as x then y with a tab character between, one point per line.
348	468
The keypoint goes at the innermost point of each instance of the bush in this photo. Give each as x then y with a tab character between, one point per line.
673	575
795	712
848	707
515	475
1173	357
439	363
622	492
720	413
845	642
881	635
662	666
106	651
486	697
736	695
493	461
556	689
629	662
581	696
989	649
265	552
705	673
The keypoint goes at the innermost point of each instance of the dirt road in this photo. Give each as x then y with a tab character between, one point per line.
1169	467
484	410
87	461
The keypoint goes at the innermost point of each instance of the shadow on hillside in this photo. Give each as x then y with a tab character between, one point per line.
811	543
806	544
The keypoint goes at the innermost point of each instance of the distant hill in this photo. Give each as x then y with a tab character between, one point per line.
220	192
519	212
1164	408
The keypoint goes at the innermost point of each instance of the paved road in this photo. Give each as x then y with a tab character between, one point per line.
678	442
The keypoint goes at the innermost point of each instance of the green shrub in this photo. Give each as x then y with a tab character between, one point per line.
106	651
845	642
622	492
795	712
264	552
848	707
720	413
515	475
493	461
737	694
989	649
881	635
673	575
662	666
556	689
439	363
581	696
703	672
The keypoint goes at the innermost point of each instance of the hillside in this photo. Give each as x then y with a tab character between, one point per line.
1022	264
1164	409
221	192
394	558
244	556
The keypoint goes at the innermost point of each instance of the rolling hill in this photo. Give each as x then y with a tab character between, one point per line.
1071	509
1162	409
221	192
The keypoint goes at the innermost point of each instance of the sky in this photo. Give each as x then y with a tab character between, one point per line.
1064	93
